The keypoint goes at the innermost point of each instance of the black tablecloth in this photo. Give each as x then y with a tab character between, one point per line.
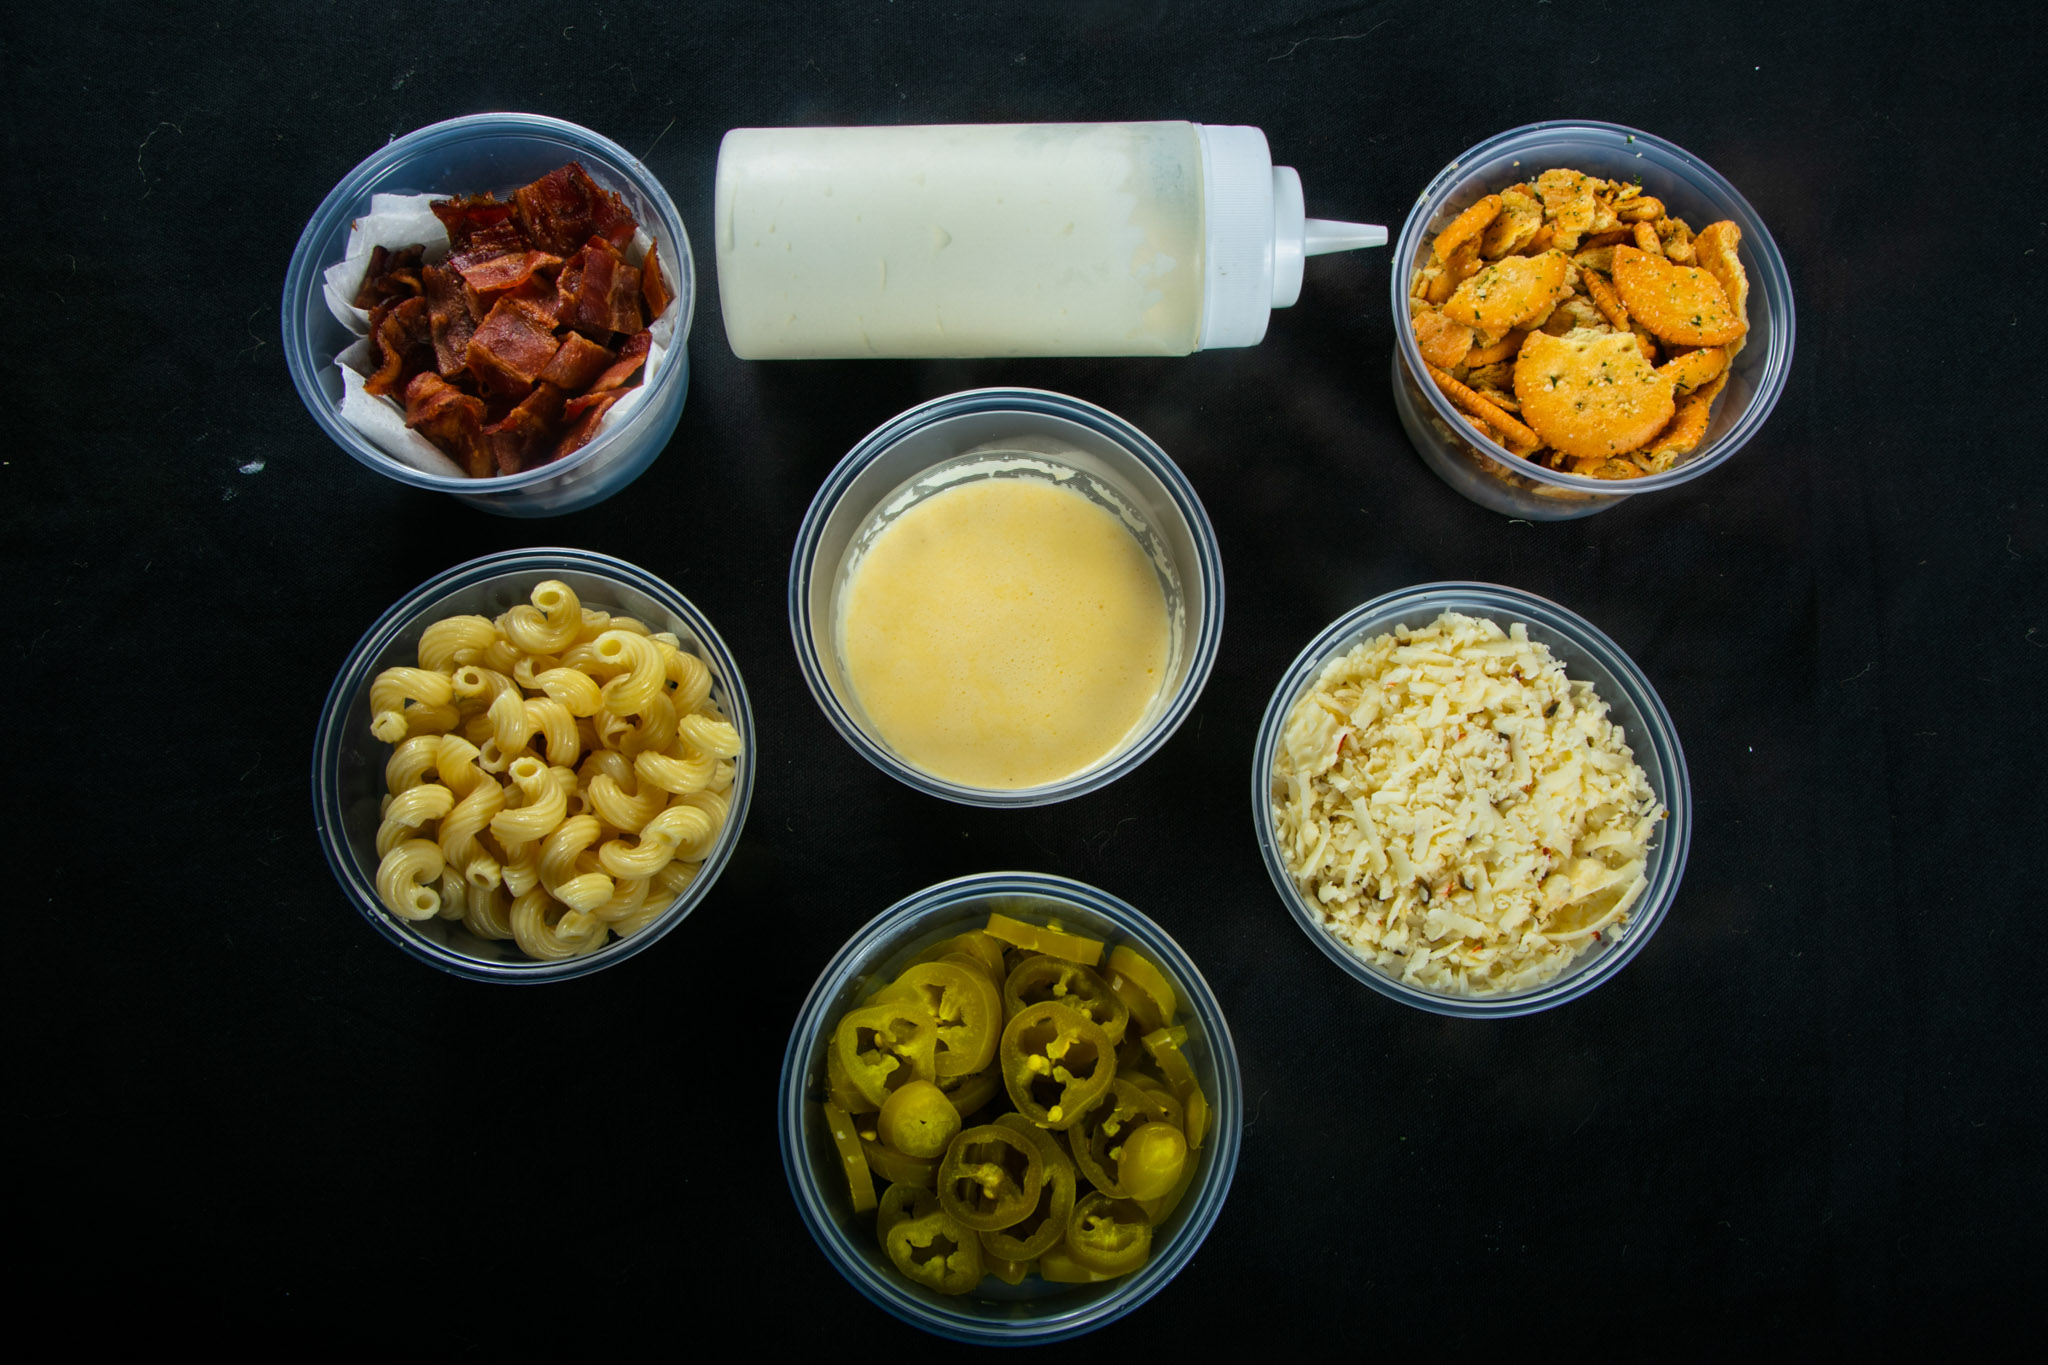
1808	1108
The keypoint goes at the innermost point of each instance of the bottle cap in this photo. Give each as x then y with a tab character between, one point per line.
1256	235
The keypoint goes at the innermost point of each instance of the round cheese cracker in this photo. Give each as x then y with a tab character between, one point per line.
1680	303
1591	393
1510	292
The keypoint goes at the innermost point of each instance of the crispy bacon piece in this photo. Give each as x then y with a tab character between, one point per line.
584	402
632	356
496	274
607	293
404	344
499	239
512	345
654	291
611	219
448	319
464	218
588	411
525	436
538	297
538	291
565	207
391	276
451	419
567	284
578	364
555	209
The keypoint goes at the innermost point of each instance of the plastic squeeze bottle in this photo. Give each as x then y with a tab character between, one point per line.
1009	239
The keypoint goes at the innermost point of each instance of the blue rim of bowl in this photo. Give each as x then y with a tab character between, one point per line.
1417	606
348	197
354	673
1037	402
1776	369
887	1291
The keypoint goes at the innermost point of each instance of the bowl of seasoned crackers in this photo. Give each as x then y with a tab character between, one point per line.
1584	312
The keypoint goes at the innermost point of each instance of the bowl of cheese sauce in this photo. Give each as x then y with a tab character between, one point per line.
1006	597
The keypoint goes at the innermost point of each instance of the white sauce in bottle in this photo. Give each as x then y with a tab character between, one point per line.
961	240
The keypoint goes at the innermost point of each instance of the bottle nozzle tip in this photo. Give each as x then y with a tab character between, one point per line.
1320	236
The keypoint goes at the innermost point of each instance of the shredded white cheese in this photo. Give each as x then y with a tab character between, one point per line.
1465	816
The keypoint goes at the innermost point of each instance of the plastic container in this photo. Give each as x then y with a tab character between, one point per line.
1010	433
1587	655
1485	471
1035	1311
1008	239
498	153
348	762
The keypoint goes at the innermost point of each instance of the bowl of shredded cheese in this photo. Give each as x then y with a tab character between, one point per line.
1471	799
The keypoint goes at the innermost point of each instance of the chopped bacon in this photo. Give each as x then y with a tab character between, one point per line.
488	347
391	276
653	290
499	239
578	364
512	345
608	294
518	439
449	319
565	206
404	343
584	402
538	297
632	356
610	218
464	218
555	209
568	283
451	419
589	411
498	273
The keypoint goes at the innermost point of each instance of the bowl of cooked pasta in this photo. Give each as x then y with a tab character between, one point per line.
533	766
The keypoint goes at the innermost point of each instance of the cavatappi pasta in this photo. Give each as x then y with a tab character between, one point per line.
557	777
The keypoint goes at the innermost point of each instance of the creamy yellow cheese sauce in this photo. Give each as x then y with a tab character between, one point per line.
1004	633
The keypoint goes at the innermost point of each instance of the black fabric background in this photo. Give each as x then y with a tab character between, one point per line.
1808	1109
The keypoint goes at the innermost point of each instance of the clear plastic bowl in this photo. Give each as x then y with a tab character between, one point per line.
923	451
1587	655
1035	1311
499	153
348	761
1485	471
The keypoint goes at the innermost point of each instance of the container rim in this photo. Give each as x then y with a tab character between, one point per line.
1774	282
329	816
1660	746
302	294
1206	636
1198	1216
